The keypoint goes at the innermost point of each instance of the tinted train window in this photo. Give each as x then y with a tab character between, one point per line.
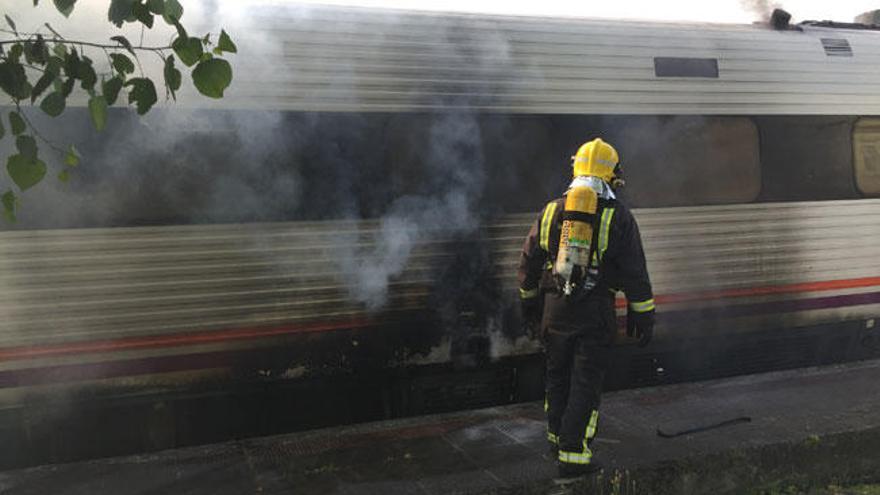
690	160
806	157
685	160
866	151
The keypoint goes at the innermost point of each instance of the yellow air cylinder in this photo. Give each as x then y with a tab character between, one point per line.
573	258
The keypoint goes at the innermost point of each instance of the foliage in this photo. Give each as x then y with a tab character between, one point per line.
45	66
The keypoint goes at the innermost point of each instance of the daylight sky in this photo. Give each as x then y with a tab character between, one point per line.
736	11
724	11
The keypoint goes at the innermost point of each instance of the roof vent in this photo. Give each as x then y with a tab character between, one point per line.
836	47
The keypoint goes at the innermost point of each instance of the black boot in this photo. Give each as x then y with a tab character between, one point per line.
569	470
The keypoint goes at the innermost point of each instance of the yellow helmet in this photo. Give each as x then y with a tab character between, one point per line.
595	158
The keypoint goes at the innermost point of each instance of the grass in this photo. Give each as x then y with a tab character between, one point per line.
873	489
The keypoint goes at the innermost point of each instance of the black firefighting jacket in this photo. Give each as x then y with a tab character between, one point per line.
618	248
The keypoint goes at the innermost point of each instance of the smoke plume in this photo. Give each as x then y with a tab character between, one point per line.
449	151
419	178
761	9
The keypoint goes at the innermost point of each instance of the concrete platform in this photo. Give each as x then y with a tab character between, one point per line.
807	428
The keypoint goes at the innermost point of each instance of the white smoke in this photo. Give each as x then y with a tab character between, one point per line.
450	152
447	151
761	9
158	155
166	165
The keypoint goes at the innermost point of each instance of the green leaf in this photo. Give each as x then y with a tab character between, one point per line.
53	104
67	87
173	11
71	65
13	80
17	123
173	78
142	14
71	159
9	203
44	82
15	52
87	74
189	50
120	11
28	52
26	173
121	63
156	6
27	147
64	176
143	93
60	50
65	6
37	52
206	56
181	32
11	24
225	43
54	65
111	89
98	111
212	77
122	40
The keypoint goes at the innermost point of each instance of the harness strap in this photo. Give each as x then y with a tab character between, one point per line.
579	216
601	222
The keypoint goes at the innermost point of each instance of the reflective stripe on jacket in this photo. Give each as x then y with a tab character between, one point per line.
619	252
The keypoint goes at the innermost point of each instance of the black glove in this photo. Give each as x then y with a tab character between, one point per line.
640	325
531	315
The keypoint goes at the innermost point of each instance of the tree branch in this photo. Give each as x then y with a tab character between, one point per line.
34	67
87	43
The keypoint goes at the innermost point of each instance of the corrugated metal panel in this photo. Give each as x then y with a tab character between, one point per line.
351	59
91	284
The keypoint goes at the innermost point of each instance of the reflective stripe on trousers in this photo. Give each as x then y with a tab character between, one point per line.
551	437
528	294
585	456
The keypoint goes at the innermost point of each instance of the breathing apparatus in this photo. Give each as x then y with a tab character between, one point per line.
597	173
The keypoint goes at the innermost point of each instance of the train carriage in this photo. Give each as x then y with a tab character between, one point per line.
336	240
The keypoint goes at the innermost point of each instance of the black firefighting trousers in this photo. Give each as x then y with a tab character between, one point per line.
578	340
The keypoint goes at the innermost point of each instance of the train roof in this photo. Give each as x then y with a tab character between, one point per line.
384	60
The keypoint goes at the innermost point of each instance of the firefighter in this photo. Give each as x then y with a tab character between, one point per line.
581	249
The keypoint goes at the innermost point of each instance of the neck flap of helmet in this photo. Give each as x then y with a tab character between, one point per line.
603	190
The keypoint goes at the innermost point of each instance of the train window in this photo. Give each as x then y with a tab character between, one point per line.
690	160
685	67
866	151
